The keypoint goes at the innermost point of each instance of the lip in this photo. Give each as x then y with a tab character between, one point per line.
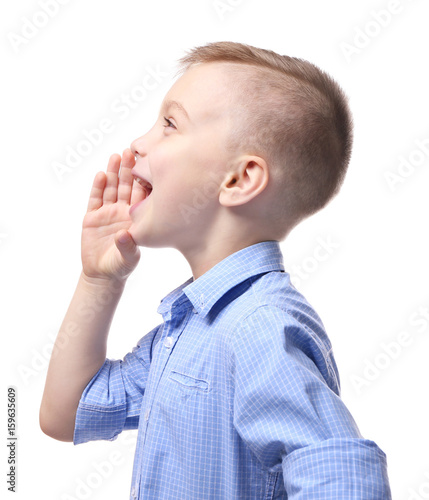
133	207
138	177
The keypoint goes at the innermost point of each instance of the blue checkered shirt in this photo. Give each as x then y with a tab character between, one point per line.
235	396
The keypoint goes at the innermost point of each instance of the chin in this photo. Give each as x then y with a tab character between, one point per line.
145	239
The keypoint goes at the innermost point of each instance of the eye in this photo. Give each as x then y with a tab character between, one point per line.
168	123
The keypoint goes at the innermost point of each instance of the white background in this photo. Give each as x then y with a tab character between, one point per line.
369	290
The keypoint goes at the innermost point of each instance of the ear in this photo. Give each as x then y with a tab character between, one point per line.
245	182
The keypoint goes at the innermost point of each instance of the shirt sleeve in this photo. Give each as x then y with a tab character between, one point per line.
111	401
288	411
346	469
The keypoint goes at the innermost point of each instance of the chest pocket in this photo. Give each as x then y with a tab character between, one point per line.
185	391
186	382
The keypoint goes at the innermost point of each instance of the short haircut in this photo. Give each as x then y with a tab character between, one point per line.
295	115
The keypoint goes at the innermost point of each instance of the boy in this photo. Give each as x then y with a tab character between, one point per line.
236	393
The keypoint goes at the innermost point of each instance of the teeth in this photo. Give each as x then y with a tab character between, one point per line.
144	183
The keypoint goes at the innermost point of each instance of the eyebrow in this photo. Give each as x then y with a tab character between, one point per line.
174	104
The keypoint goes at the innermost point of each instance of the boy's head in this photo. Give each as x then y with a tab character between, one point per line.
247	141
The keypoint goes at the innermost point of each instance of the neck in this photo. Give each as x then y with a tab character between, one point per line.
205	256
222	237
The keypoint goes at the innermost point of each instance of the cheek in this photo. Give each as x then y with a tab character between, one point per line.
186	174
173	168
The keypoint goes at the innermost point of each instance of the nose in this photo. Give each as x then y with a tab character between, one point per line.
138	146
141	145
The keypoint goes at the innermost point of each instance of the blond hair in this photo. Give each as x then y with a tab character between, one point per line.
295	115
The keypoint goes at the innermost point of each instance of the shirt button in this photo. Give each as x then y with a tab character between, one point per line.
168	342
133	493
146	415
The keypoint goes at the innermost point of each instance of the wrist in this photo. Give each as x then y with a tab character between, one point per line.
98	285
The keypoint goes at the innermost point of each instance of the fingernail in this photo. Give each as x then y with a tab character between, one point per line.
123	238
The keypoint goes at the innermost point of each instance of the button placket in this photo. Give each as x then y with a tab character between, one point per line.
171	326
169	342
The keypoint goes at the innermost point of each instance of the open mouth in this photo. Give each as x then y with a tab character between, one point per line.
146	185
146	189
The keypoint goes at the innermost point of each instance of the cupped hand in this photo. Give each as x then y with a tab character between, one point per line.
108	250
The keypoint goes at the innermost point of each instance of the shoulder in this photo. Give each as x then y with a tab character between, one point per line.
272	297
274	319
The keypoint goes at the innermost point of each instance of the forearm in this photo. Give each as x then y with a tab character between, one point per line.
79	352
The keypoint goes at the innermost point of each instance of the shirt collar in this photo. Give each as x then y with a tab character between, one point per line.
204	292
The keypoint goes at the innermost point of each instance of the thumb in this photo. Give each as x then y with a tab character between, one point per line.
127	246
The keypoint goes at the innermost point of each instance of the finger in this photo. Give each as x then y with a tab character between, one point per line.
111	189
96	195
128	248
125	177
